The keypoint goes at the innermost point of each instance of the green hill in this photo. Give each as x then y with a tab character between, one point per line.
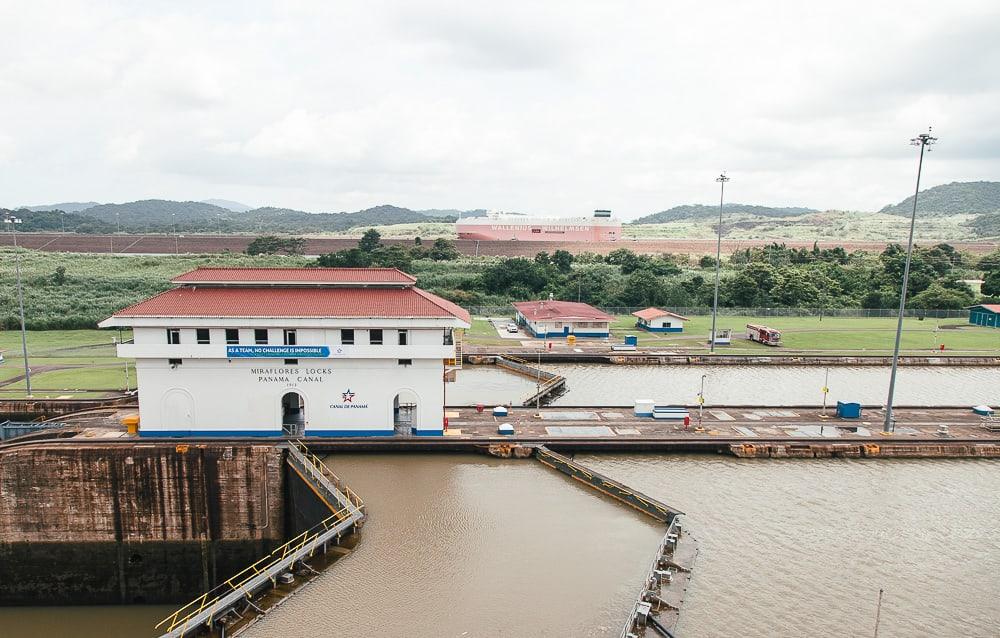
952	199
159	215
66	207
699	211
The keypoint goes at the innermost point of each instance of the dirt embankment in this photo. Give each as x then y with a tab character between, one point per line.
169	244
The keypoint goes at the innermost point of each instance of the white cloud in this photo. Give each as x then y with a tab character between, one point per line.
541	107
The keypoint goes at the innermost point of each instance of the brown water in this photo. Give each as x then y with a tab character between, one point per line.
589	384
595	384
801	548
474	546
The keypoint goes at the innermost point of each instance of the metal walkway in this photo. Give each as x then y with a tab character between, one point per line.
659	601
348	513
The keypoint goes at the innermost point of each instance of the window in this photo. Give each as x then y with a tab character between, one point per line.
406	362
174	362
203	336
173	336
232	336
260	336
449	337
404	335
289	337
291	362
375	337
347	336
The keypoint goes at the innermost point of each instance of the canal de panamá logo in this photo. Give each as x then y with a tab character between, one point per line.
347	401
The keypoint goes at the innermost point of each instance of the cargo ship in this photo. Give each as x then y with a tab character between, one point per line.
506	227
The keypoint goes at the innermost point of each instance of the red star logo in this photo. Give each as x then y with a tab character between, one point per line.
348	396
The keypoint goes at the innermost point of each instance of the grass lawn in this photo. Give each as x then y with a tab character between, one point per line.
482	332
831	335
42	342
92	349
89	378
856	335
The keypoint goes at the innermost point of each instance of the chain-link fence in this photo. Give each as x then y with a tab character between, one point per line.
506	311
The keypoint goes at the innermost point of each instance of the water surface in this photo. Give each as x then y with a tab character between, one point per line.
611	385
474	546
801	547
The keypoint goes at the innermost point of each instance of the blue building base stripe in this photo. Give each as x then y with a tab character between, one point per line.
350	432
428	432
209	433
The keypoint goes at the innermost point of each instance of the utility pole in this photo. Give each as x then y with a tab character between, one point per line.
923	140
701	401
14	221
826	389
722	179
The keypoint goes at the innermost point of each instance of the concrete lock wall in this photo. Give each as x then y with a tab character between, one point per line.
128	524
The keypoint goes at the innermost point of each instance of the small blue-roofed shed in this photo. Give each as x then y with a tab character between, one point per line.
987	315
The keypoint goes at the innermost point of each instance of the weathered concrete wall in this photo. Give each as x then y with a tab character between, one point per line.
31	409
136	523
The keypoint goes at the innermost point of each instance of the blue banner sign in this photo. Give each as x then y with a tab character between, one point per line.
277	352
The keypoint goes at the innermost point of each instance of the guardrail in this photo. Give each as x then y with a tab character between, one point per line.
548	382
611	487
12	429
202	612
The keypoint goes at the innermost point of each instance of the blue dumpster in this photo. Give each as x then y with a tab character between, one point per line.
848	410
631	340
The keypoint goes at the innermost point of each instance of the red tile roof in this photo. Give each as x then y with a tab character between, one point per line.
653	313
565	310
989	306
250	276
246	301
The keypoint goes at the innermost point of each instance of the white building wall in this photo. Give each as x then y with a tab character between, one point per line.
345	397
349	393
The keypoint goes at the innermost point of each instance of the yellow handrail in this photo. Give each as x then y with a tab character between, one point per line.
239	581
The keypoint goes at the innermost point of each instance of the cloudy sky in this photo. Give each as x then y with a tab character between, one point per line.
538	107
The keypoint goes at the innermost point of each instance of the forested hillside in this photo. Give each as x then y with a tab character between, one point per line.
952	199
698	211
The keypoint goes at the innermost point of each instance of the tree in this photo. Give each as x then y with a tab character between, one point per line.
271	244
795	288
443	250
991	283
370	240
624	258
543	258
642	288
417	241
706	261
563	260
59	276
351	258
391	257
512	274
937	297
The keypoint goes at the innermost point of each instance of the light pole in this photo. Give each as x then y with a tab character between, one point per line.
923	141
722	179
14	221
701	400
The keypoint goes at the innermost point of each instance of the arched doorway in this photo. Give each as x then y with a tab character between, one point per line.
177	410
293	414
404	412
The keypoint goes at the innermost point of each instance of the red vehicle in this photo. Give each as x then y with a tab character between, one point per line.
763	334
